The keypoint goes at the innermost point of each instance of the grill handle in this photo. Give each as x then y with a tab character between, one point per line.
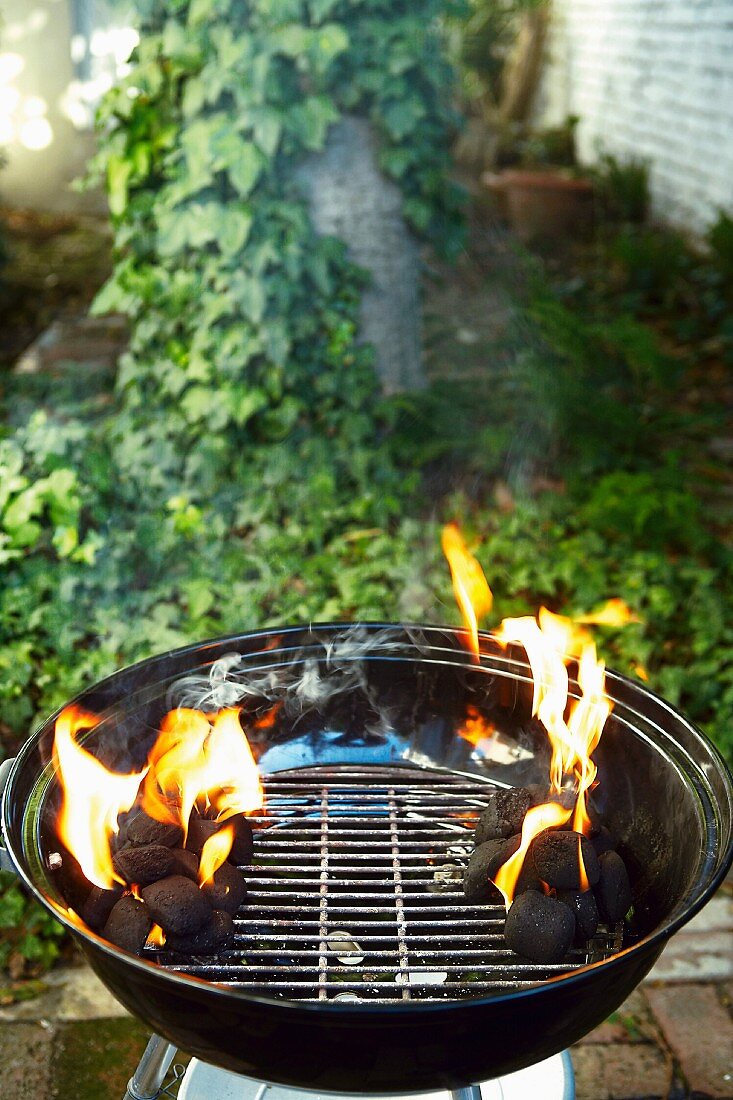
6	863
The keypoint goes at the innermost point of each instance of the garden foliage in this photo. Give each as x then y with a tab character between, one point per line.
248	471
249	436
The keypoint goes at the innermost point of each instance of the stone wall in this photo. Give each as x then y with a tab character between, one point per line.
650	79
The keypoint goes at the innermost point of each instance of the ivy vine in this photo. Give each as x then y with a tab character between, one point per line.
244	320
245	472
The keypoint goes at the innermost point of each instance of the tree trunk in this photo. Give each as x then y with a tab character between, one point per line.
351	199
522	73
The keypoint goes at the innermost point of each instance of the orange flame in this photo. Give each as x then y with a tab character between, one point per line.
214	852
202	759
536	820
551	641
156	937
584	883
475	728
548	645
93	797
470	586
614	612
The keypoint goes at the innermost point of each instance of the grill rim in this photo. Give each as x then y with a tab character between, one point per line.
650	944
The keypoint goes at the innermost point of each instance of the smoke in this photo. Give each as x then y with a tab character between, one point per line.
304	679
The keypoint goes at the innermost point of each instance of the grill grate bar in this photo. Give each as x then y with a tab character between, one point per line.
355	894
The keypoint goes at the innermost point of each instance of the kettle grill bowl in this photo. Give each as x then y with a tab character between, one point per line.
400	694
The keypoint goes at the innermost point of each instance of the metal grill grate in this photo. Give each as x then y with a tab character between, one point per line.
356	894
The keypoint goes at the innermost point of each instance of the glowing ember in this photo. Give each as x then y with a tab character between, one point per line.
470	586
548	816
214	853
93	797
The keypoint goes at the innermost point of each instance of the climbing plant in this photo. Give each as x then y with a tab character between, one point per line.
244	321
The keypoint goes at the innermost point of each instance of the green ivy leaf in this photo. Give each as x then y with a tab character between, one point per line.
244	169
402	117
311	119
119	170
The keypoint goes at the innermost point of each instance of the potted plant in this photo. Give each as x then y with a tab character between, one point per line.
541	189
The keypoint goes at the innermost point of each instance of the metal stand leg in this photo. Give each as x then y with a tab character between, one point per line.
472	1092
146	1082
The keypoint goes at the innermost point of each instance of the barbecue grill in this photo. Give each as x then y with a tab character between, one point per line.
358	966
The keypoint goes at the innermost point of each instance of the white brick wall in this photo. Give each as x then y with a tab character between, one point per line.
650	79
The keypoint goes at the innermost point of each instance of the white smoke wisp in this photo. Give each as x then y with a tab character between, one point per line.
306	679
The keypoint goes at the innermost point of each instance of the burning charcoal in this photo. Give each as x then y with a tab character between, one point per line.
585	910
528	877
226	890
185	863
73	884
177	905
503	816
201	828
99	905
538	793
540	928
485	861
143	865
118	840
199	831
602	841
555	857
128	925
142	830
217	935
613	890
243	845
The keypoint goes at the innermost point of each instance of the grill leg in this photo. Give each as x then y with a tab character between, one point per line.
146	1082
472	1092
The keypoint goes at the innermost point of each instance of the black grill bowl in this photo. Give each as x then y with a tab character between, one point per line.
394	697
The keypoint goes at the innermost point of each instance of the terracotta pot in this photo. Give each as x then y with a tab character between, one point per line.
542	205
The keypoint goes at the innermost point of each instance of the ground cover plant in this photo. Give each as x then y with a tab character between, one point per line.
248	471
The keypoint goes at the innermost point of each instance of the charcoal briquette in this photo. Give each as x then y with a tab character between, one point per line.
200	829
143	865
584	909
216	935
142	830
243	845
483	865
555	857
98	906
602	841
503	816
539	928
185	863
226	889
177	905
613	889
73	884
128	925
528	877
